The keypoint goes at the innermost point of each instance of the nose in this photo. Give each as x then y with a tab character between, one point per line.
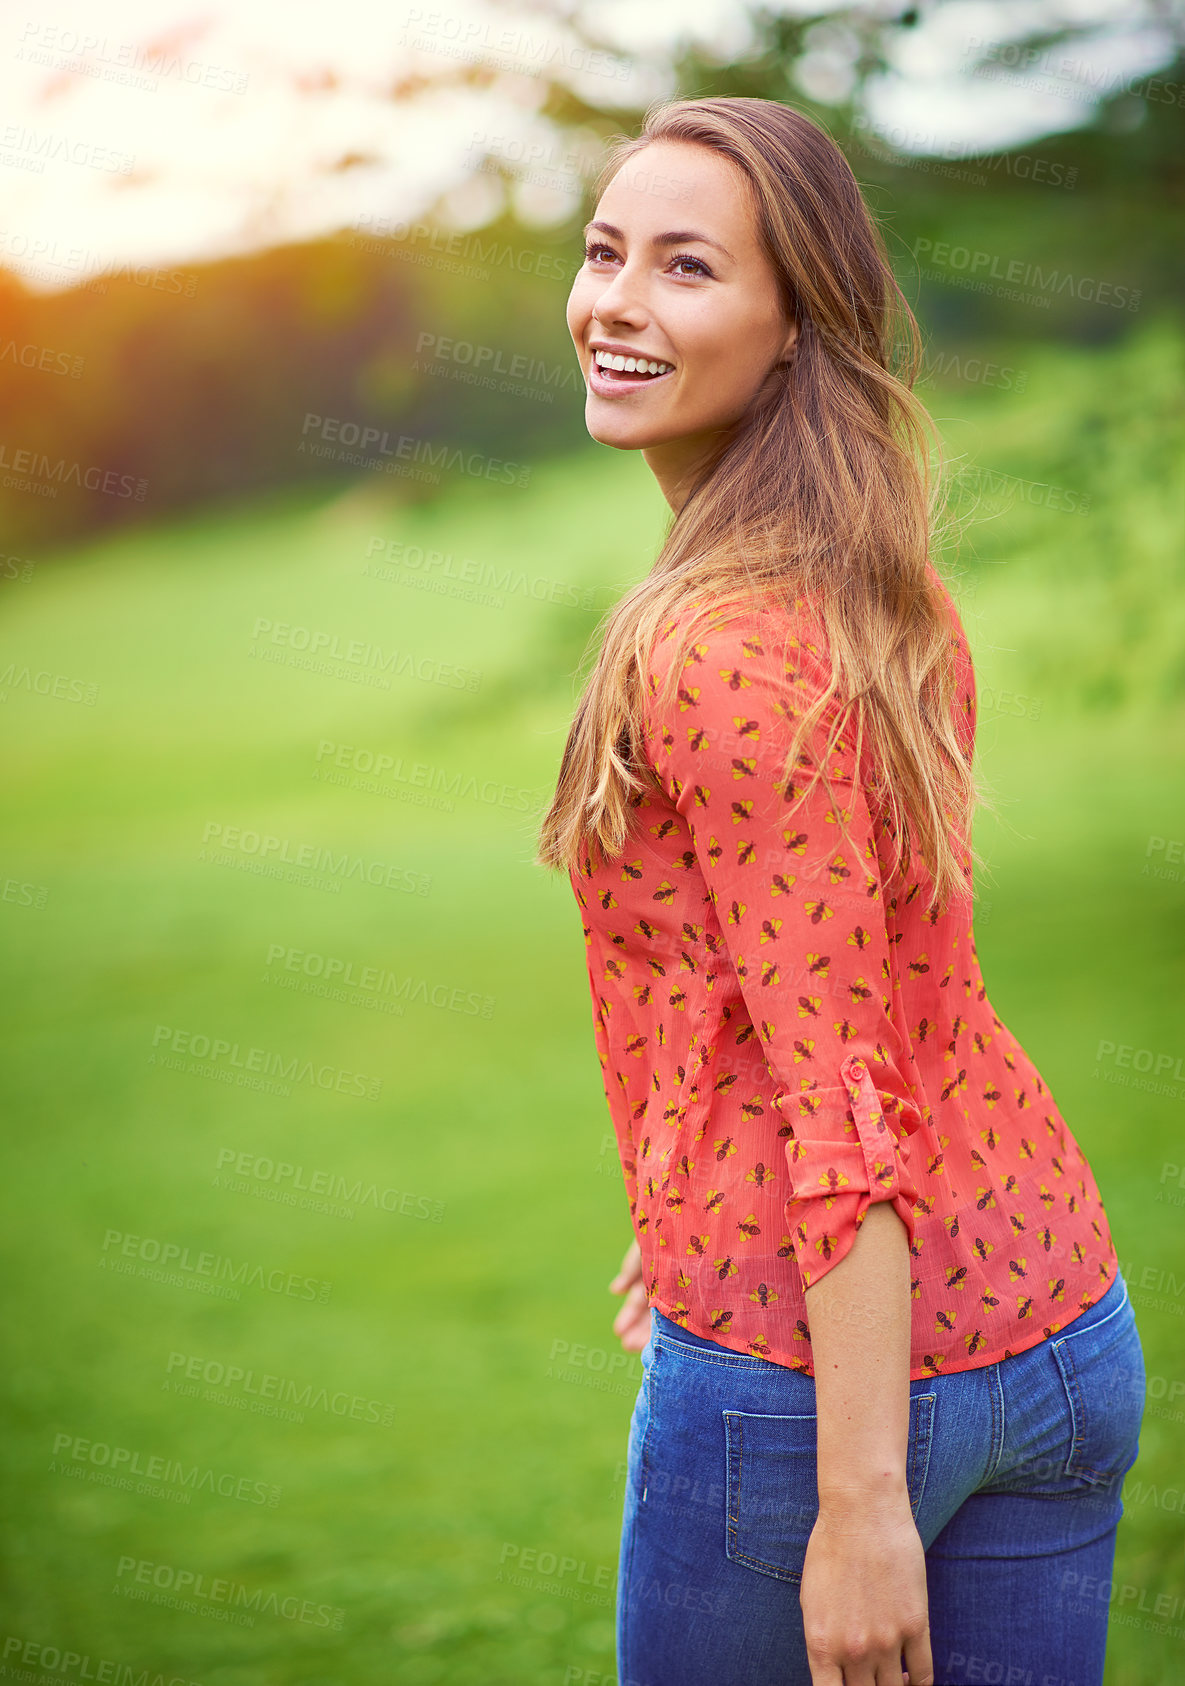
622	299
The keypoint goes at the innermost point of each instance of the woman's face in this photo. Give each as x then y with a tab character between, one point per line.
675	274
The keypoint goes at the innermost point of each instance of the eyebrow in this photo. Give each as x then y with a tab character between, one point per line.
678	237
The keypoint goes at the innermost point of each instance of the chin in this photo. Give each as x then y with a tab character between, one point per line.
619	435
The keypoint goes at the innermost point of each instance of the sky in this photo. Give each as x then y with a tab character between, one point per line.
176	131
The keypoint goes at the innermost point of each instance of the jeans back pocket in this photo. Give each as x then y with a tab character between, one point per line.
1102	1370
772	1484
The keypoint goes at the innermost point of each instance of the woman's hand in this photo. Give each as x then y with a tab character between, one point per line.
632	1322
863	1591
863	1596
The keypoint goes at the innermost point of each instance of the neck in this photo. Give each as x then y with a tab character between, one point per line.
676	462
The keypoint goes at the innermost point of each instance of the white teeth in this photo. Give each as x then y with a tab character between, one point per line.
630	365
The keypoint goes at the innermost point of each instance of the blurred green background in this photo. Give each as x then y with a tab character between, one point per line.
396	1433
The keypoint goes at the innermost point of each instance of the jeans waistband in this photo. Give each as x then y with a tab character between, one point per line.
671	1331
1107	1305
1110	1302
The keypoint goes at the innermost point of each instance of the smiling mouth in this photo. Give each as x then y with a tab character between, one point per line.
615	367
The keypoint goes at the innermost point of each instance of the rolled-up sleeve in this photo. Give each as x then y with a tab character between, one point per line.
802	914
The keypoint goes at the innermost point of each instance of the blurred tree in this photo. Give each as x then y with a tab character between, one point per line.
174	393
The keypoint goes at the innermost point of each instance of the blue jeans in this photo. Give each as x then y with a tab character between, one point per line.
1014	1473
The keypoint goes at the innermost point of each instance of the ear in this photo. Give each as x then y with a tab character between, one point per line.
789	343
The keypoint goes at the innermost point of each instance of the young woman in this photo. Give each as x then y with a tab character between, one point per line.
892	1378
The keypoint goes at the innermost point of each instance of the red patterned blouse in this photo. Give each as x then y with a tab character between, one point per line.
786	1037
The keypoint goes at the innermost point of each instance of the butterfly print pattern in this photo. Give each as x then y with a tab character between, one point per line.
786	1034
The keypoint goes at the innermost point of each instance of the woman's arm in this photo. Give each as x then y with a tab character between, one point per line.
801	910
863	1588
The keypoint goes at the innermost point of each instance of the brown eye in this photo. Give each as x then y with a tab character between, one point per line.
698	264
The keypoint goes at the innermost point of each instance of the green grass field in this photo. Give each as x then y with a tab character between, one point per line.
464	1402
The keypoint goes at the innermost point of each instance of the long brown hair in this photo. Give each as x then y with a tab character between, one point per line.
821	493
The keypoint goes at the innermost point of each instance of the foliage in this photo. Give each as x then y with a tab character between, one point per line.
466	1326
